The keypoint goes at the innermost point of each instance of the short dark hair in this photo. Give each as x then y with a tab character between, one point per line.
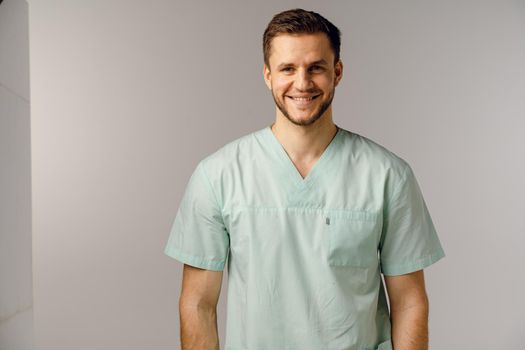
299	21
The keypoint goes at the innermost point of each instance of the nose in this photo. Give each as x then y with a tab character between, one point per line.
303	80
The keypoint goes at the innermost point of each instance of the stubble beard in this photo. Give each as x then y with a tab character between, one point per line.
318	114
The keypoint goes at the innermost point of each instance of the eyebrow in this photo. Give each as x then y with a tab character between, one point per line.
283	65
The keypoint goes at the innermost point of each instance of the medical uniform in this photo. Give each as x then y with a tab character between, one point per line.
304	255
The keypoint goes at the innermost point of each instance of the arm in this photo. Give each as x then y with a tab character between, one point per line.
197	307
409	309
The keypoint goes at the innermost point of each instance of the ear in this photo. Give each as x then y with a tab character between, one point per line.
338	70
267	76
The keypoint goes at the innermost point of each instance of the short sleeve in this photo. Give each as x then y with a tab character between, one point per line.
409	241
198	236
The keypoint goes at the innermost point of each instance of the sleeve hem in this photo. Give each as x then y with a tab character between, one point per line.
194	260
400	269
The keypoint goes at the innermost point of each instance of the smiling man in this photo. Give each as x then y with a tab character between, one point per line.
308	216
305	77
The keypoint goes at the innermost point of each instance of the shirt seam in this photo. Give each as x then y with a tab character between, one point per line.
412	265
217	201
396	192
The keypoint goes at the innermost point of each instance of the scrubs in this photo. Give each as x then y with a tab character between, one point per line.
305	255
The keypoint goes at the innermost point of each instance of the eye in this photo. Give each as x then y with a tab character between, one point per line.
316	67
287	69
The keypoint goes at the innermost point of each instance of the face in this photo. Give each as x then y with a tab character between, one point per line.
302	76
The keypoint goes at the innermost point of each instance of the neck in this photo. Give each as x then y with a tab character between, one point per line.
304	143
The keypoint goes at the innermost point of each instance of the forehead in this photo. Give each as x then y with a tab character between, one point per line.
298	48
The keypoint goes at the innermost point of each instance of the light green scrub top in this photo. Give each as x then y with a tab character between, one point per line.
305	255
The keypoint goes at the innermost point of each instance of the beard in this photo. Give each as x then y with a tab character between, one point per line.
317	114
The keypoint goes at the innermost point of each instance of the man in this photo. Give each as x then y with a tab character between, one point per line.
309	215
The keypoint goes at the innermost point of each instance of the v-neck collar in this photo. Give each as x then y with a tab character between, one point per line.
289	165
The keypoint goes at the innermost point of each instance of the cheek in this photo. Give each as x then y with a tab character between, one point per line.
325	82
280	86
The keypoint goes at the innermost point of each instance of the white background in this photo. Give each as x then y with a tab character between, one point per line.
127	97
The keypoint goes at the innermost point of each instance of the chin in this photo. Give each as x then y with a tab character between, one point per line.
305	121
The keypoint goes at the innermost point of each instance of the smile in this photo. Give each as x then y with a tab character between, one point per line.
303	100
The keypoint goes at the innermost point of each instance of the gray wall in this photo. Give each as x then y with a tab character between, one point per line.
127	97
16	298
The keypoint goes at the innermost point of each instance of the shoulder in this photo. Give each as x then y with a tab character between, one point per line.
372	154
231	155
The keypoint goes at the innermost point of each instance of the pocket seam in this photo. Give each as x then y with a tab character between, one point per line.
351	216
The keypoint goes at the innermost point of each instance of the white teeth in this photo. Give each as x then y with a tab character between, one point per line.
302	98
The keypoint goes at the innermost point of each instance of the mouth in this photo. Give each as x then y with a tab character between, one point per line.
303	101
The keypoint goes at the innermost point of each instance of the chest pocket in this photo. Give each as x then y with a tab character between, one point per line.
353	238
